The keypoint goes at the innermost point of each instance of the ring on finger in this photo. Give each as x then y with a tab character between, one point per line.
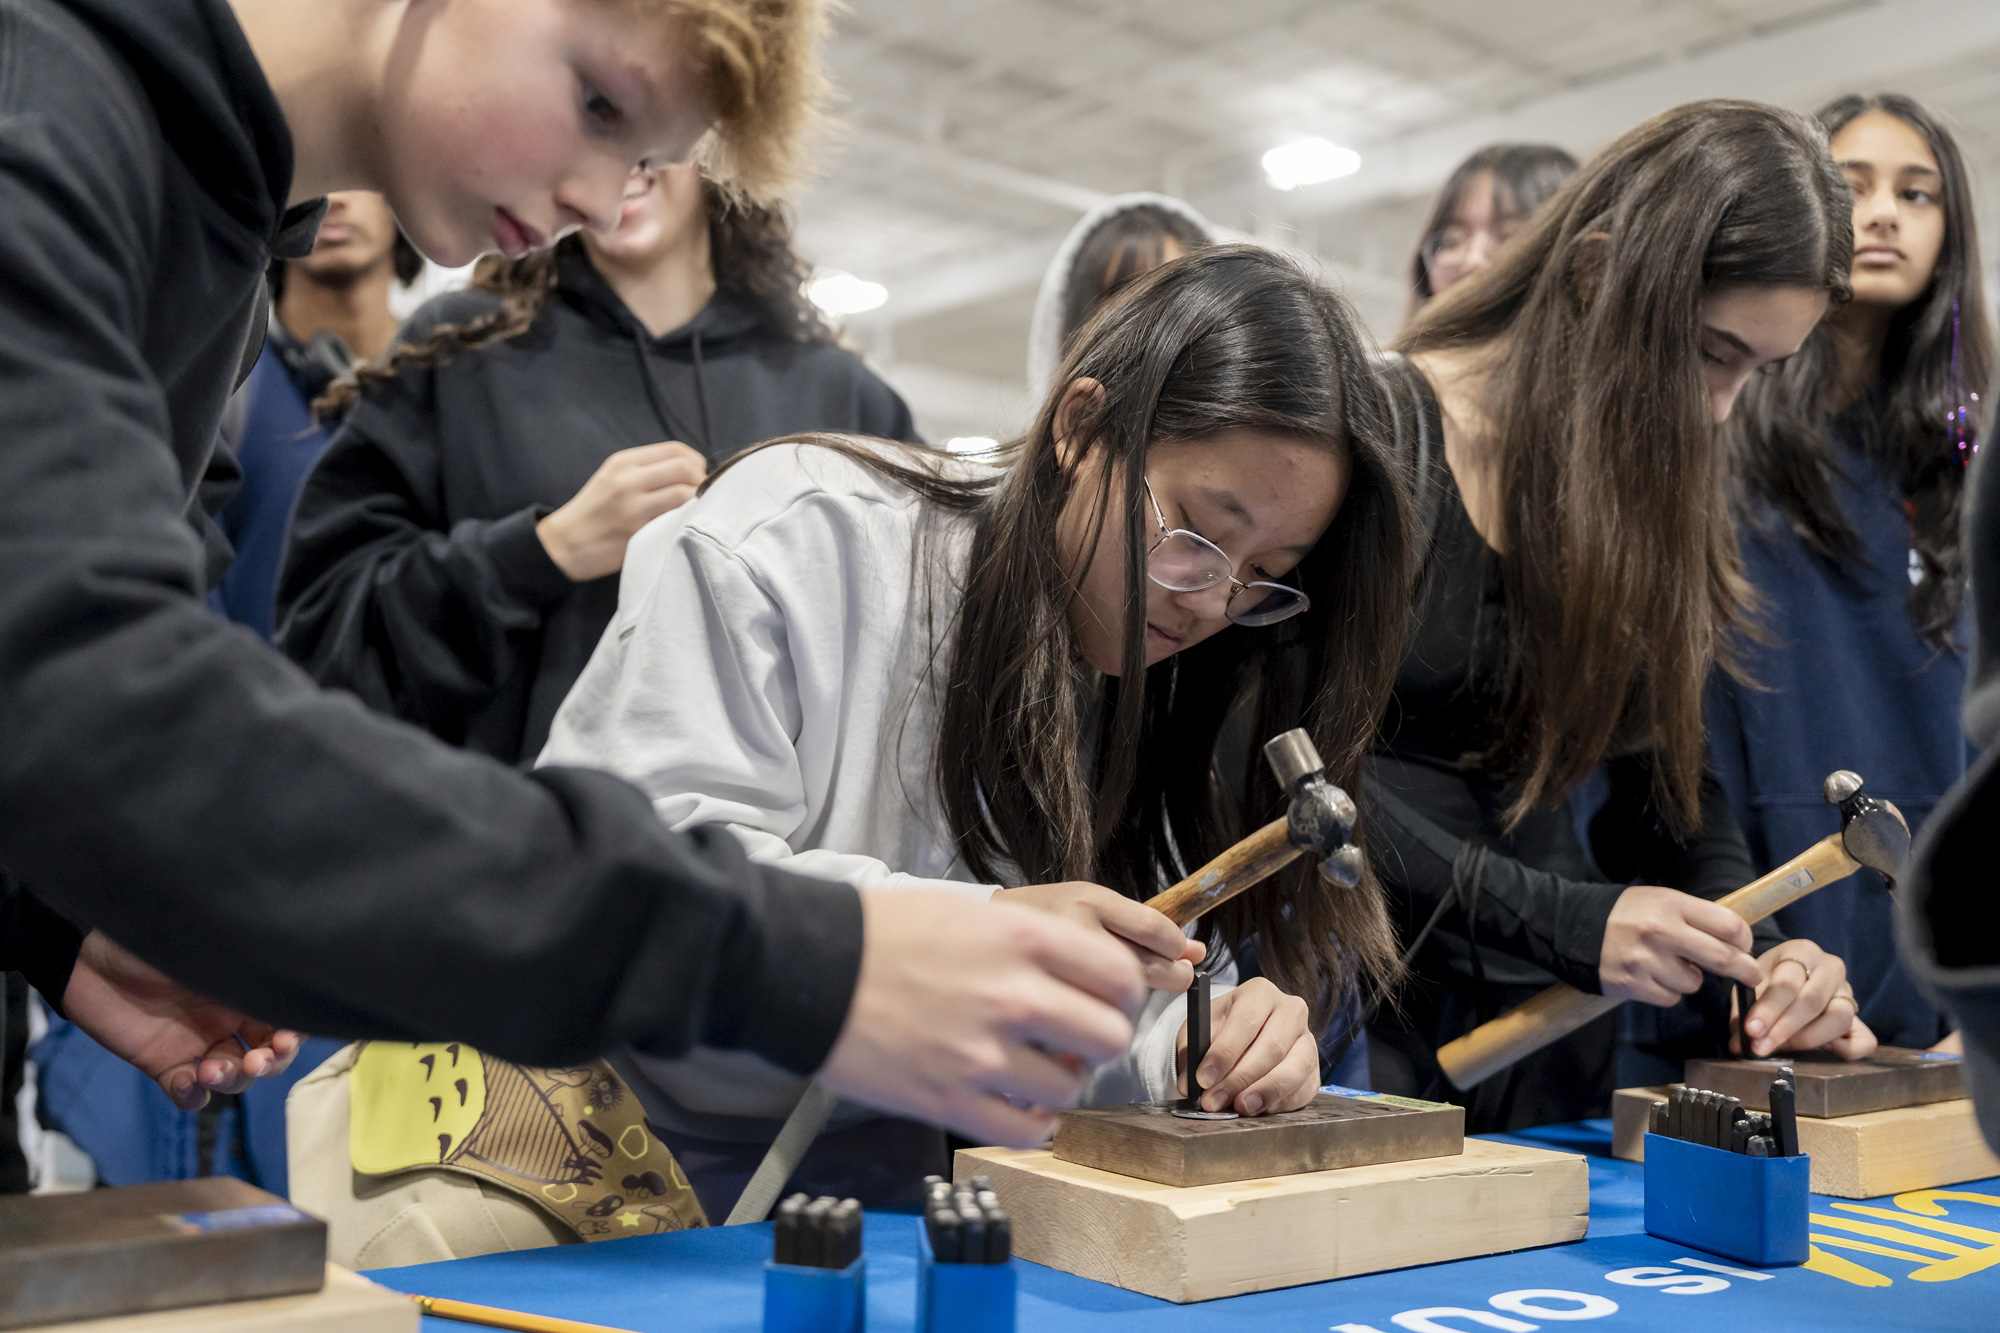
1796	962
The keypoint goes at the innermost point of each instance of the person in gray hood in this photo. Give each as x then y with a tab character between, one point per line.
1114	244
455	555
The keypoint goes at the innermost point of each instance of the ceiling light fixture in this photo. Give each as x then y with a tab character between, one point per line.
1308	162
844	294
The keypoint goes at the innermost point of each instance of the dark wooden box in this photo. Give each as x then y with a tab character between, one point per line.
1149	1142
109	1252
1888	1080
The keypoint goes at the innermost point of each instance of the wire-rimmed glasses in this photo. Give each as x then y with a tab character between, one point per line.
1184	561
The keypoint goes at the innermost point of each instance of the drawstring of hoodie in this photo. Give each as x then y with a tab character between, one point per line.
675	430
701	393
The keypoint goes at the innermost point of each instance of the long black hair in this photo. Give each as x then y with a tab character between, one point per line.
1050	769
1939	349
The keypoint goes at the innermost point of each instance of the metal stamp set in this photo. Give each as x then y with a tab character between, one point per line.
816	1281
964	1222
1717	1121
817	1233
1728	1180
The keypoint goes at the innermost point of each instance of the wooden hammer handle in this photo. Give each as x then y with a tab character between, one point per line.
1561	1010
1249	862
1818	865
1521	1031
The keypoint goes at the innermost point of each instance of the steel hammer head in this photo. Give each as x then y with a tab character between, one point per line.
1319	817
1872	830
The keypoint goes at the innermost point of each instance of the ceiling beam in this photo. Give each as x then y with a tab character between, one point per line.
1027	184
1797	65
951	286
959	283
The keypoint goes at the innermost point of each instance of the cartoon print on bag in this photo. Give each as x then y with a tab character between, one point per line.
533	1131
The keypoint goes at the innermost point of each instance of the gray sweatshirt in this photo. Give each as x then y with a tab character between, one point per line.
769	669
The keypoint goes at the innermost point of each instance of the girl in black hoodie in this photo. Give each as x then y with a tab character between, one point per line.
454	556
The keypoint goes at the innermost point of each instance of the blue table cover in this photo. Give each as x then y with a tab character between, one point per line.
1924	1260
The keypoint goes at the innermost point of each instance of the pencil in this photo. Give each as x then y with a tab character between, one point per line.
494	1317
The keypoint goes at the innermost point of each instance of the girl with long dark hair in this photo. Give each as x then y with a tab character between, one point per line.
454	556
1850	463
897	668
1582	582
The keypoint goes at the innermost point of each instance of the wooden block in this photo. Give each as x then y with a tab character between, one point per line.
1630	1110
1329	1132
1829	1087
346	1304
1886	1152
1205	1241
152	1247
1857	1156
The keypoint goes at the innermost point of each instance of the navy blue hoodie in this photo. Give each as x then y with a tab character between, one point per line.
165	775
1846	681
415	578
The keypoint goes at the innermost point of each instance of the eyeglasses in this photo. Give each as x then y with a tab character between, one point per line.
1454	242
1183	561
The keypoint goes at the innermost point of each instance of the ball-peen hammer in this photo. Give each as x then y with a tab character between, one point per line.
1872	834
1319	818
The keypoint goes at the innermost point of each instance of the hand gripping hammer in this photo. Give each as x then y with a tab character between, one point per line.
1872	834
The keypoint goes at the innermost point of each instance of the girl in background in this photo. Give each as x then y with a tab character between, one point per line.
455	554
1850	462
1582	580
1006	678
1483	203
1110	247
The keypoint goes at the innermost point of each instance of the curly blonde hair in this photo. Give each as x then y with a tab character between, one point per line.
759	63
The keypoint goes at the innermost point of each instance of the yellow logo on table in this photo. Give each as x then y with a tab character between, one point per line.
412	1104
1922	1234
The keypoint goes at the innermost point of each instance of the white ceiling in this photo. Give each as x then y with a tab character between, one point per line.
977	130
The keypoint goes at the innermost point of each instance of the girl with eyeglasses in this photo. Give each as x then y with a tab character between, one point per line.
1582	581
1009	678
1487	199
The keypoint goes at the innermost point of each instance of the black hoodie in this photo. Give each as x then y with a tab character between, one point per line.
166	776
415	577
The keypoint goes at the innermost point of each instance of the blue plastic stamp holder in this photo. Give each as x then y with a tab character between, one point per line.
961	1298
1751	1209
815	1300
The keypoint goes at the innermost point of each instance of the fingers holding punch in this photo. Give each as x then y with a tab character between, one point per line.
1261	1054
1805	1003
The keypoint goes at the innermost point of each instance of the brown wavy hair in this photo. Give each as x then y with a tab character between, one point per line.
1620	570
750	248
1045	767
759	66
1939	351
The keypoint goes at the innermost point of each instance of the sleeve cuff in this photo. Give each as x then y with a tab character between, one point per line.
1580	937
521	560
48	944
794	975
